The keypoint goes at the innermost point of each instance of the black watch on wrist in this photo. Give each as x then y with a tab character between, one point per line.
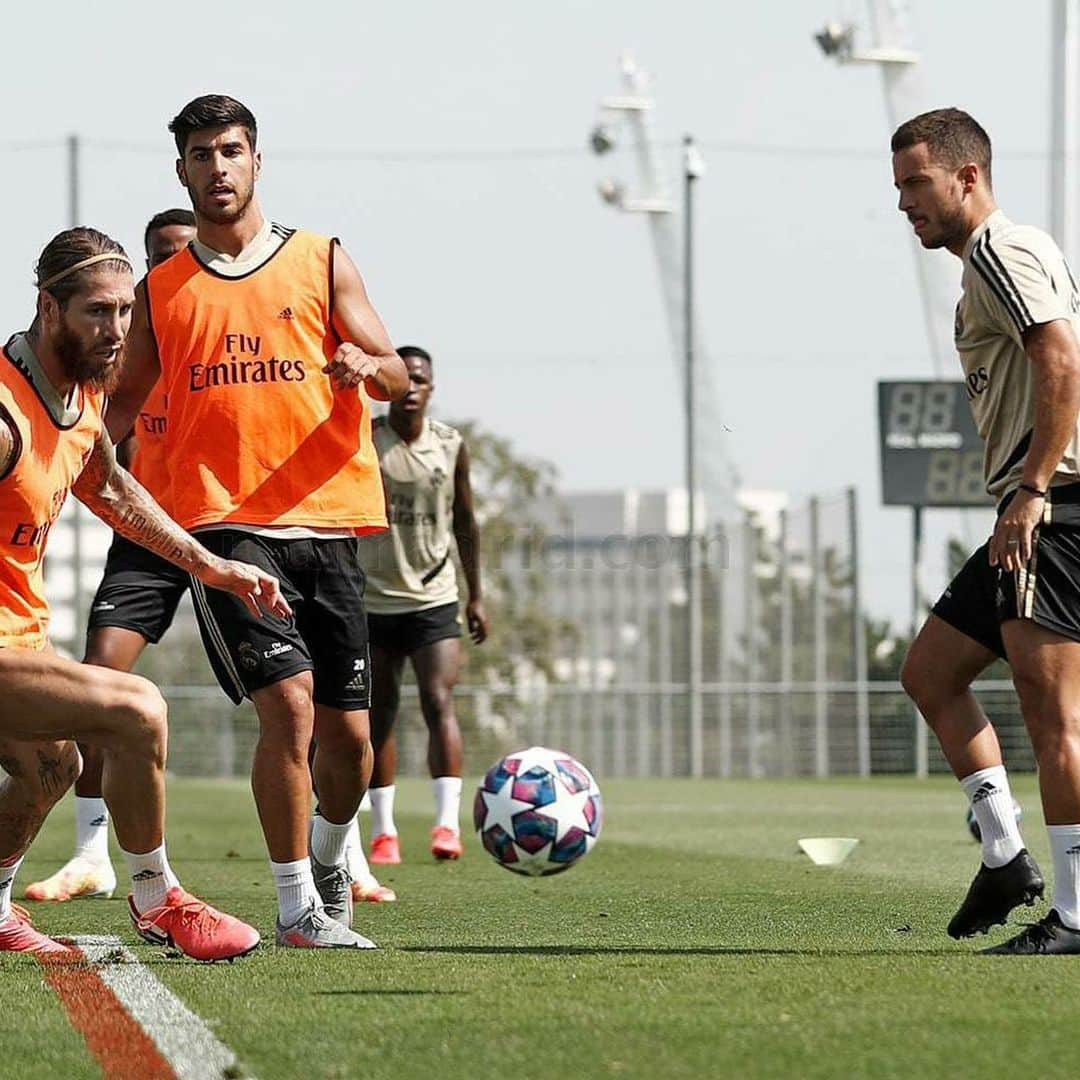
1031	489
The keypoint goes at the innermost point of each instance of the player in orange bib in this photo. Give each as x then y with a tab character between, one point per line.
133	607
53	381
268	349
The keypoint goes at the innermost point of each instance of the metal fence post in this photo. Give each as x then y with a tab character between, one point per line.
663	580
821	701
723	659
858	640
753	696
787	651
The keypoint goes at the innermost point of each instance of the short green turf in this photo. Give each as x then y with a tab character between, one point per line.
693	942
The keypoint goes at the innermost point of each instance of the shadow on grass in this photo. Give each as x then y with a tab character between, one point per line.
391	993
633	950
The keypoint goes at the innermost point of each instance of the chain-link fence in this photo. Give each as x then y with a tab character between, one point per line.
784	689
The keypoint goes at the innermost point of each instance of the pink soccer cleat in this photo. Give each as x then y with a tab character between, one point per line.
445	842
385	850
195	928
372	892
17	934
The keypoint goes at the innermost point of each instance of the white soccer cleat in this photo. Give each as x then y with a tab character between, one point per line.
317	930
80	878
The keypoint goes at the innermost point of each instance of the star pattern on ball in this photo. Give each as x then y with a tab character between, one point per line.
501	806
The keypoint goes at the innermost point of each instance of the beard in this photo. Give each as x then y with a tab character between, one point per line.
203	206
951	229
82	366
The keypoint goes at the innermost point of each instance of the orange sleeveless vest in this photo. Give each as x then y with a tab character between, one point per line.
256	433
150	464
32	493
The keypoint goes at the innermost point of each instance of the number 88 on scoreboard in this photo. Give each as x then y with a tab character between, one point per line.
931	454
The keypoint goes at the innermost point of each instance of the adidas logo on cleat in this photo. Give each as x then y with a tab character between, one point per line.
285	313
984	792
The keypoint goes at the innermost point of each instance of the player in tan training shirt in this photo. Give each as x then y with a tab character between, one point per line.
412	601
1018	596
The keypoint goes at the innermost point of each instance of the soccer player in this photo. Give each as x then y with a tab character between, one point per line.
53	382
134	606
413	601
268	347
1018	596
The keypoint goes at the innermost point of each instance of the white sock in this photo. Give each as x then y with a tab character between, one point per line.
355	859
1065	847
91	828
295	889
447	801
382	810
328	840
7	883
992	802
151	877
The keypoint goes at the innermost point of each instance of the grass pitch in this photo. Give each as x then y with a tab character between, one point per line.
693	942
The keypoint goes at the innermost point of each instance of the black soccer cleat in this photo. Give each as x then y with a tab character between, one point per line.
1046	938
994	893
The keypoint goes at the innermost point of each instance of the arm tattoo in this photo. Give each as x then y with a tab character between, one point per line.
124	504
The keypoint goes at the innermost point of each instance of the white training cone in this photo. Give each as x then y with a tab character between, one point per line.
828	850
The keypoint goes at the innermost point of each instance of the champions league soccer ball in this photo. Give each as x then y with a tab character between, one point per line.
538	811
973	824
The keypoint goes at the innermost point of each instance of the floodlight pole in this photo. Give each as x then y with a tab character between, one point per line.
692	169
1064	130
77	513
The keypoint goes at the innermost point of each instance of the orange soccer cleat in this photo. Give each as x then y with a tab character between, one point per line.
385	849
195	928
78	878
445	842
372	892
17	934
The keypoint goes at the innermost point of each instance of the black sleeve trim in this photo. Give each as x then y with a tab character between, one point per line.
16	442
986	272
1008	281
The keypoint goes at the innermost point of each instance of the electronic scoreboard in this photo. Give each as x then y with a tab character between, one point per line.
931	454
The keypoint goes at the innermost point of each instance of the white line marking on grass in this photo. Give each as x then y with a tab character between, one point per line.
183	1038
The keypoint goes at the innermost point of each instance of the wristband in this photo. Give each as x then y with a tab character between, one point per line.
1031	489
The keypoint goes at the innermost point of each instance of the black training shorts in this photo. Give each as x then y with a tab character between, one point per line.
981	597
139	591
327	634
408	631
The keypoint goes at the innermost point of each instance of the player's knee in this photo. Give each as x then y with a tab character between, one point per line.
436	703
145	729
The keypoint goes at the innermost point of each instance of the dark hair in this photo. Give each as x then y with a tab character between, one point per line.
952	136
421	354
165	219
211	111
70	247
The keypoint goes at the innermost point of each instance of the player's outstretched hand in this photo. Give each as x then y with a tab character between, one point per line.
350	366
258	590
476	617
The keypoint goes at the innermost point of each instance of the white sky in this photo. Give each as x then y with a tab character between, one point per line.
539	303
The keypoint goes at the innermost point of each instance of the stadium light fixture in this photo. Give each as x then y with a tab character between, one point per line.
837	41
604	138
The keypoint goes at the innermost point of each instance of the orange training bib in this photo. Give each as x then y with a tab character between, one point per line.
49	459
256	433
